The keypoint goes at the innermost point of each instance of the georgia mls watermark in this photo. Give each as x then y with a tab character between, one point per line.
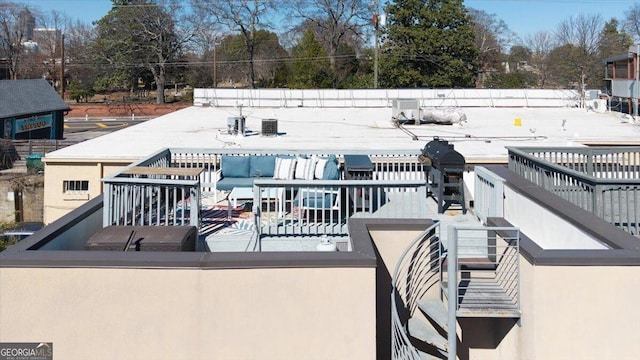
26	351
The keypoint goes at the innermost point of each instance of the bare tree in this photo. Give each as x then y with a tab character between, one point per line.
492	38
16	25
541	44
49	36
583	32
79	38
335	22
204	45
631	22
242	16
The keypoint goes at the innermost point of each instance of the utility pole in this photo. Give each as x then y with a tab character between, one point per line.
376	20
637	80
215	67
62	82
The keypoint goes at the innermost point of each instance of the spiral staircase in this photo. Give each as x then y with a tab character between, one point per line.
467	272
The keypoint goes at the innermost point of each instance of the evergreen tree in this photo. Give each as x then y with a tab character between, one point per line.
613	42
428	43
310	68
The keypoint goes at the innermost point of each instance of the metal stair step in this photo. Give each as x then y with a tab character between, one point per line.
484	298
425	356
435	310
424	332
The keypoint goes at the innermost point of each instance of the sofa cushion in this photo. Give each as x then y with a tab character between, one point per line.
331	171
235	166
285	168
262	166
321	163
305	168
315	200
228	183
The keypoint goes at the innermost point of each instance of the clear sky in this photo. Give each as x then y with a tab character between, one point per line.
524	17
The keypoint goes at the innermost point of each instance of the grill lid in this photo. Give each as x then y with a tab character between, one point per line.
442	154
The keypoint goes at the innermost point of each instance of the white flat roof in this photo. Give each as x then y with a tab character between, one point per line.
482	138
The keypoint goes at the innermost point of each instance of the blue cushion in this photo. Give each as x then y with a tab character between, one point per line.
262	166
228	183
319	200
331	171
235	166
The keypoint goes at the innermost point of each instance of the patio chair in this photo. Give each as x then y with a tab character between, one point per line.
316	200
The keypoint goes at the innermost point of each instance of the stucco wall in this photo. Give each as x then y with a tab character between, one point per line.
326	313
391	243
586	312
56	203
568	312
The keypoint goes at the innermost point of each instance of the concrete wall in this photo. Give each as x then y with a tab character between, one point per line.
544	227
7	201
285	313
32	198
56	203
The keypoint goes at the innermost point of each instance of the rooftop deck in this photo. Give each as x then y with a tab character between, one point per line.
271	214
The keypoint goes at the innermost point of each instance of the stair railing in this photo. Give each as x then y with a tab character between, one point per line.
415	274
420	270
496	249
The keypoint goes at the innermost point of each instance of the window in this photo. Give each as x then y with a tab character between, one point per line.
75	186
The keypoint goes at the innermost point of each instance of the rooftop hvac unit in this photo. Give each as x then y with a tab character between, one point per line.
405	110
269	127
599	105
236	125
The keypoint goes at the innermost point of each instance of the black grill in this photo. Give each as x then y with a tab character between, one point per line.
445	177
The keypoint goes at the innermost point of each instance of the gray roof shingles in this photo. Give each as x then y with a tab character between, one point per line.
23	97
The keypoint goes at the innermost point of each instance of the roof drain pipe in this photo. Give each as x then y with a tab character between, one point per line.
414	137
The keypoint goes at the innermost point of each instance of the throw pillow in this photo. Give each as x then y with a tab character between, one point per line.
320	165
305	168
285	168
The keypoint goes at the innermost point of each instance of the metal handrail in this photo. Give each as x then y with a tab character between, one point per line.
404	287
420	268
338	200
151	202
500	253
605	182
393	171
